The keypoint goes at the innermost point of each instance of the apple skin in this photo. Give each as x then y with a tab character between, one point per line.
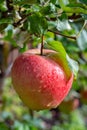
39	81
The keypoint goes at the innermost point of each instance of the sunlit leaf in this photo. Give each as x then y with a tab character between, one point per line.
62	58
73	65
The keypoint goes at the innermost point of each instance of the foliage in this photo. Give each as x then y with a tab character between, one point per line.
37	18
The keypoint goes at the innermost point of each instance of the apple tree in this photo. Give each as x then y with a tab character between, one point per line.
59	25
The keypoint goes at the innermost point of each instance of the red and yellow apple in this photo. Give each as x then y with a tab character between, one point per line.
39	80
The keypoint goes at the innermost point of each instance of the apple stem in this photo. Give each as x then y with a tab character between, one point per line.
42	42
31	113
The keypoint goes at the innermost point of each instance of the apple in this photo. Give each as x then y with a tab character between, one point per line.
40	81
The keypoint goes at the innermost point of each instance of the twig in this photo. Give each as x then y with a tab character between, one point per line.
74	17
58	33
21	20
82	56
9	4
31	112
82	28
42	45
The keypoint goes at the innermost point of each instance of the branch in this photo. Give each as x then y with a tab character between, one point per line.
82	57
82	28
21	20
58	33
9	4
74	17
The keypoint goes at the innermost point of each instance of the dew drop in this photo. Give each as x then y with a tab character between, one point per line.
49	104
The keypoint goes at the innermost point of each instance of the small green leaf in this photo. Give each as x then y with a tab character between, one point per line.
38	24
9	32
9	35
5	21
72	1
63	25
83	1
63	2
57	46
54	1
21	2
3	7
49	9
84	16
3	126
24	48
82	40
62	58
73	65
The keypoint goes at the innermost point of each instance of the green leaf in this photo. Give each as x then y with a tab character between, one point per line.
3	5
73	65
72	1
63	2
79	10
63	25
57	46
18	125
62	58
21	2
82	40
54	1
83	1
67	9
9	35
38	24
3	126
49	9
5	21
9	32
84	16
78	5
24	48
